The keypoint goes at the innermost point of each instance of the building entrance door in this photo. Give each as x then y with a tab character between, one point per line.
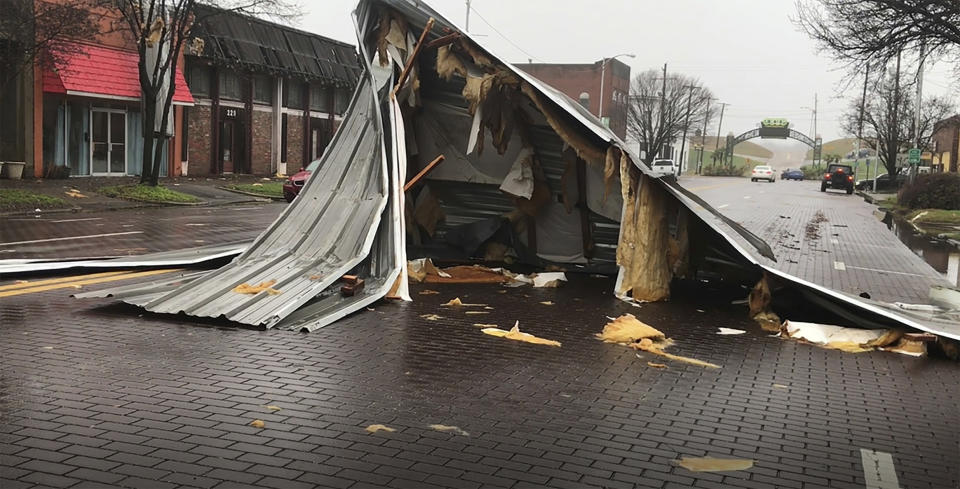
108	142
227	146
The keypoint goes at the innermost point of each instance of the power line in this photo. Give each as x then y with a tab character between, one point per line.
505	38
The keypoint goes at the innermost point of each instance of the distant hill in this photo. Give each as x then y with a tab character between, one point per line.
842	147
746	148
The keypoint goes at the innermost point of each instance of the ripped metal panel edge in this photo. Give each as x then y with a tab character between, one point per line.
188	256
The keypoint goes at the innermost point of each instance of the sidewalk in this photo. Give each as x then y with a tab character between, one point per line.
81	193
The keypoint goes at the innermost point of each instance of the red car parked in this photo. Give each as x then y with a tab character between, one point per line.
291	188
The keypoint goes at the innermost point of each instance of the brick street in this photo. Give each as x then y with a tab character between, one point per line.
848	249
97	394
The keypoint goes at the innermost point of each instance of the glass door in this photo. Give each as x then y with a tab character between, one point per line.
108	138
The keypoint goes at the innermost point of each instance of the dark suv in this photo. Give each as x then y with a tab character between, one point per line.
838	177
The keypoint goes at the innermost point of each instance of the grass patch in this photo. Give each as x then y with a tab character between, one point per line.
935	217
266	189
15	199
146	193
740	165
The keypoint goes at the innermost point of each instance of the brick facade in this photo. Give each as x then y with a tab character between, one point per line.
198	140
294	142
946	143
577	79
262	137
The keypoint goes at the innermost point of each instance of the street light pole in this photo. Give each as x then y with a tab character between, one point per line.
723	105
703	136
686	124
467	23
603	73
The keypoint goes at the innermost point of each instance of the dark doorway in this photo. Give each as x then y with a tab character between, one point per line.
232	155
321	132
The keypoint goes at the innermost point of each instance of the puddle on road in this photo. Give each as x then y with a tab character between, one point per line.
935	252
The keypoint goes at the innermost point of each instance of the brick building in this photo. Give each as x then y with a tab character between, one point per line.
946	144
581	82
268	97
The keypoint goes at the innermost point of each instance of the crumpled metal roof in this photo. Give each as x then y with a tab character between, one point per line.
296	245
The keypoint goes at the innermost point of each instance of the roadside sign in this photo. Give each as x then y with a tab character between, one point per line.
913	156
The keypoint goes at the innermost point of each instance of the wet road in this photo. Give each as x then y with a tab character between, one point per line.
131	232
831	239
98	394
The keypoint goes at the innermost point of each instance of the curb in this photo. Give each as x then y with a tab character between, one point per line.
251	194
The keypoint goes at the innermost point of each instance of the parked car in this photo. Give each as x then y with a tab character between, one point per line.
792	175
291	188
884	182
838	177
664	167
763	172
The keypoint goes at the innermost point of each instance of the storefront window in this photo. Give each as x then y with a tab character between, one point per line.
263	90
319	98
229	85
200	80
293	94
341	100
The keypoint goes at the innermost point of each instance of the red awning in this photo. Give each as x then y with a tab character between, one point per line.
103	72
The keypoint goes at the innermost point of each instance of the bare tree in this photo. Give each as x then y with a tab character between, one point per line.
866	31
160	28
29	29
888	119
658	109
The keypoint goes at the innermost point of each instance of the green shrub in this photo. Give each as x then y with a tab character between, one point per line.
723	171
811	172
146	193
932	191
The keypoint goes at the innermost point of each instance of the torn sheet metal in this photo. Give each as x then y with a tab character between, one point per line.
350	215
184	257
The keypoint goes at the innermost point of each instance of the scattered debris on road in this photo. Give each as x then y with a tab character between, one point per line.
456	302
712	464
257	423
516	335
379	427
449	429
656	365
628	329
856	340
730	331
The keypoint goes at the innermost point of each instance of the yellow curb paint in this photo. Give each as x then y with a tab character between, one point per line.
75	284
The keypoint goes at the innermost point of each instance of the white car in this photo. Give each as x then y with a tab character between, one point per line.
663	167
763	172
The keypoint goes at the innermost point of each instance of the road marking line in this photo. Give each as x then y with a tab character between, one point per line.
746	196
28	285
838	265
878	470
722	206
888	271
45	288
70	238
77	220
708	187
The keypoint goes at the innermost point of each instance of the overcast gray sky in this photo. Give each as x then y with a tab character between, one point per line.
747	51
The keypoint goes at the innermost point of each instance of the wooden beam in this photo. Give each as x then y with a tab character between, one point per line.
413	181
443	41
413	56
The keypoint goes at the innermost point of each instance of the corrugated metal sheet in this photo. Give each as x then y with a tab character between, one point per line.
370	149
324	233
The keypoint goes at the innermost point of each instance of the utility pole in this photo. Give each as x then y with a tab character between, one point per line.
723	106
863	102
916	120
895	127
686	124
703	136
663	104
467	23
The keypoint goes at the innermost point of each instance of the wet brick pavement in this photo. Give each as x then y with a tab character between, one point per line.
851	250
131	232
94	395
